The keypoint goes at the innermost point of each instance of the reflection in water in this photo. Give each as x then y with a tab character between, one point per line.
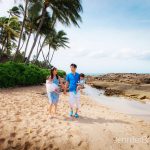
120	104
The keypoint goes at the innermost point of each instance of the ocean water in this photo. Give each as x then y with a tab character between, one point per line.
120	104
95	74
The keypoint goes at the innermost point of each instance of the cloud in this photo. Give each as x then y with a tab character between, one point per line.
145	55
123	54
128	53
89	53
99	54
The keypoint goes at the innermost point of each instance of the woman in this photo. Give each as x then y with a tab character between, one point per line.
54	95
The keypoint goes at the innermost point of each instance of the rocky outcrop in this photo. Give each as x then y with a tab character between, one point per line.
130	78
135	86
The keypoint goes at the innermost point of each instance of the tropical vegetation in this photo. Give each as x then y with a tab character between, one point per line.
18	74
29	33
34	23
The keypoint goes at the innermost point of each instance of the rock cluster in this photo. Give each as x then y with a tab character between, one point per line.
130	78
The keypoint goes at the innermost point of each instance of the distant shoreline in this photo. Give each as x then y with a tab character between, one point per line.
132	85
98	74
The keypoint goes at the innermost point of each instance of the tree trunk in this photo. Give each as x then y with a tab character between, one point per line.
48	54
37	34
43	56
38	45
23	24
4	43
40	49
27	44
7	52
1	37
52	57
22	46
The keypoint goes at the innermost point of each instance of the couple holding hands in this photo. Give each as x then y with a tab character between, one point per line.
74	81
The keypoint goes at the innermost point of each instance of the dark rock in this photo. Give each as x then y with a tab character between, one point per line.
111	92
143	97
146	80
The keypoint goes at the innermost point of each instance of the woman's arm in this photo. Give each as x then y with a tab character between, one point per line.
49	79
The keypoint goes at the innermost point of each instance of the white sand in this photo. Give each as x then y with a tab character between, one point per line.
25	124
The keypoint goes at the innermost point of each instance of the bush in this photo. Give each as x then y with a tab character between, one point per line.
19	74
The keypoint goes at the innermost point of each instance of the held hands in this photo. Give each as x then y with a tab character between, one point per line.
65	92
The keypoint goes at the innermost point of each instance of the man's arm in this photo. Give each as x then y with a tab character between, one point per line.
66	86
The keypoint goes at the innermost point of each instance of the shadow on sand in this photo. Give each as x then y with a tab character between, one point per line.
88	120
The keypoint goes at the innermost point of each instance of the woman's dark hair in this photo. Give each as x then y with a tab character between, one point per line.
52	70
74	65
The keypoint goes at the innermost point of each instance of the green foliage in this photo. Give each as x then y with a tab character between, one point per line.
18	74
61	73
19	57
41	64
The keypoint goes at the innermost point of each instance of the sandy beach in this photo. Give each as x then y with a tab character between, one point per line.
26	124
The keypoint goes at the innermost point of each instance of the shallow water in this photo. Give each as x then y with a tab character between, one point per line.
120	104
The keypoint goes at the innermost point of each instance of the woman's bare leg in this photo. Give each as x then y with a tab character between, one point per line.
55	110
50	108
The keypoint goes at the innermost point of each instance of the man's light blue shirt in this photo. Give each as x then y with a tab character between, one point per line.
73	79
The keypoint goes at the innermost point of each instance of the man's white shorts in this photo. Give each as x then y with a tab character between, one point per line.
74	99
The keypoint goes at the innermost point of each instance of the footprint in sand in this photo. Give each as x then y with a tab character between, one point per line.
17	113
10	141
45	134
70	135
44	120
2	140
17	146
60	122
50	145
12	134
80	143
18	120
19	139
15	127
27	145
38	131
1	126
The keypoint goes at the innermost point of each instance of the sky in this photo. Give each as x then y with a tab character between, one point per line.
114	36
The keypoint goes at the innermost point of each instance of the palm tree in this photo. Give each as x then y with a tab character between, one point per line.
46	30
57	41
30	27
3	21
15	11
66	12
30	15
23	24
10	28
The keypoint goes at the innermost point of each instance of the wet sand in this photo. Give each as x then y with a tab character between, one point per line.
25	124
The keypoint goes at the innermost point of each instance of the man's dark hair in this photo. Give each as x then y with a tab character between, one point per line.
82	75
73	65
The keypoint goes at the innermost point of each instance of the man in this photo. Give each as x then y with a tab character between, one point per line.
72	79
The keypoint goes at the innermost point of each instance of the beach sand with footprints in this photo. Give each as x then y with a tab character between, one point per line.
26	124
